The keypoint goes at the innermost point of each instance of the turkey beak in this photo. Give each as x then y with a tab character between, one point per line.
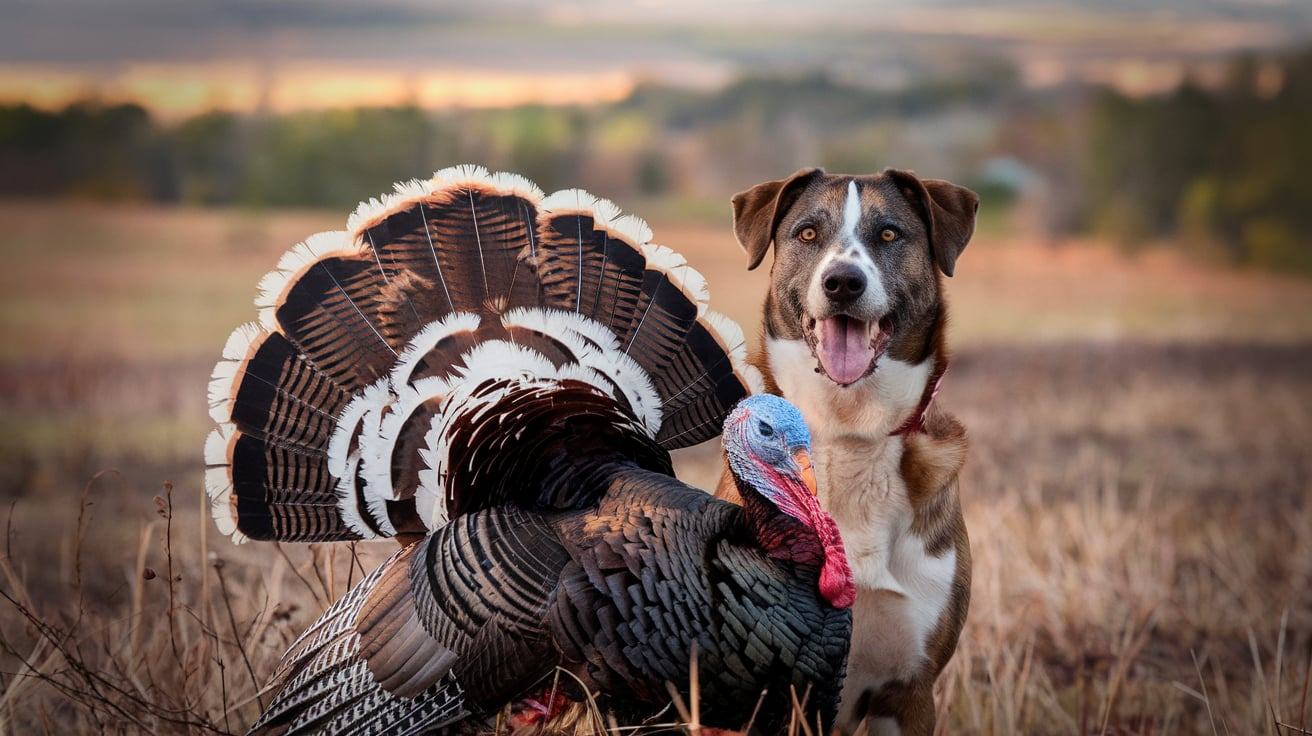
803	460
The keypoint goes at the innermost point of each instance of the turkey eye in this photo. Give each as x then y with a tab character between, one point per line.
888	235
765	430
807	234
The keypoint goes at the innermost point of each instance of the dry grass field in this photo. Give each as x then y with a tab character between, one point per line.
1139	493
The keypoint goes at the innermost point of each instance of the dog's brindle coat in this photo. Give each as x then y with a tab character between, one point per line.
854	336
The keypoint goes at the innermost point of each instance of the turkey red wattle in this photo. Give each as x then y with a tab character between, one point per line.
836	582
846	347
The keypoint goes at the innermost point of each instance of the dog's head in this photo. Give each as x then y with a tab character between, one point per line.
857	260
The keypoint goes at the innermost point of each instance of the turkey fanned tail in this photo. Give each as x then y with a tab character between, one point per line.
377	345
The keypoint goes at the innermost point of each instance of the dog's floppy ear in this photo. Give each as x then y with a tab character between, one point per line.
949	211
757	211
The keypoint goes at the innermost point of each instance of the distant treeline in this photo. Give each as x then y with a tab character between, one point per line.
1226	172
659	141
1222	170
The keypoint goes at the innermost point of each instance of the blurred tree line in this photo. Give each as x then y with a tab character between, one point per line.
660	141
1225	172
1217	169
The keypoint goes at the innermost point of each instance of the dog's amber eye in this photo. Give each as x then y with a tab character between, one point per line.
888	234
807	234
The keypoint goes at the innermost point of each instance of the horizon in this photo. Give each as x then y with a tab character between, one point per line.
247	57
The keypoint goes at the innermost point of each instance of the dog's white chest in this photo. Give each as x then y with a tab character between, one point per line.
902	590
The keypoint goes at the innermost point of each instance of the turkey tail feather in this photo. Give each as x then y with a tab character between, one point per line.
449	307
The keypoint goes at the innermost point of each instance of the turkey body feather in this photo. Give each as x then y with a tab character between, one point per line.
618	595
495	377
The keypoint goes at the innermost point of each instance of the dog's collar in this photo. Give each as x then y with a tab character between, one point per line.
916	422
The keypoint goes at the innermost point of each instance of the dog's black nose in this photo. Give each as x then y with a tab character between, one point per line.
844	282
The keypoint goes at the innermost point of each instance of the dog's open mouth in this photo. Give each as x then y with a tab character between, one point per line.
847	348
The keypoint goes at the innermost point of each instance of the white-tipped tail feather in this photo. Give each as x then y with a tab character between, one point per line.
680	274
603	211
273	286
731	337
218	483
235	353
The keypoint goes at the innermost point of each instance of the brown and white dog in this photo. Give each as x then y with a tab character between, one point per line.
854	336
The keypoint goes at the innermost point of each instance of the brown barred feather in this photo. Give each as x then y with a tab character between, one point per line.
332	316
587	269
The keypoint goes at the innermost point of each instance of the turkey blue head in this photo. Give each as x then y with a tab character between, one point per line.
768	446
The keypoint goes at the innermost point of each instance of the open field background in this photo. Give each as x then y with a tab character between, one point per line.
1139	493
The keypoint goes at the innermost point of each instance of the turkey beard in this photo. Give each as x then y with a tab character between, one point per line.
847	348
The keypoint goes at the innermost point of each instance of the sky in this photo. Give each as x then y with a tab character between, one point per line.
184	57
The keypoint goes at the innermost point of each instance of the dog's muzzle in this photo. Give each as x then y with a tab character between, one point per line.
847	348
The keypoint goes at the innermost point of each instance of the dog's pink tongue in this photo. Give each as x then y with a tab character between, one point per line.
845	350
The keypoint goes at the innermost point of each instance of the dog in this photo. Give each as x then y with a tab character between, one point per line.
854	335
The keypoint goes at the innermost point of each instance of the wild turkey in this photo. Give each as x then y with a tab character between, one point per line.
500	375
